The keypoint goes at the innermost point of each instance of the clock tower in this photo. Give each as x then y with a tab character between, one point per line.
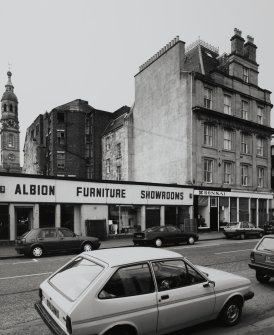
9	131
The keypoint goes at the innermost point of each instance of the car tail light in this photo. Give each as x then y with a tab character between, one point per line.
68	324
40	294
252	256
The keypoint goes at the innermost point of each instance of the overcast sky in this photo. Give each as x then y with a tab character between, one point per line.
61	50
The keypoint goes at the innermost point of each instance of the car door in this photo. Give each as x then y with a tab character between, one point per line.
130	296
184	295
177	235
68	240
247	229
48	239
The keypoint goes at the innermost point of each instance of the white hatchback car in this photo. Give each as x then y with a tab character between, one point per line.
138	290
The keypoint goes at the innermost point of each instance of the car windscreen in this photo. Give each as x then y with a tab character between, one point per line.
267	244
74	278
232	224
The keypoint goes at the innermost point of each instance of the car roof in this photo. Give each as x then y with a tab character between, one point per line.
127	255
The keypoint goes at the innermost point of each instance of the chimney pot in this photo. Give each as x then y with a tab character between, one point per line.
250	39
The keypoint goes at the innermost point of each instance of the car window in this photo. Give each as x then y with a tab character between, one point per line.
172	229
232	224
63	232
174	274
251	225
129	281
267	244
76	277
244	225
162	229
47	233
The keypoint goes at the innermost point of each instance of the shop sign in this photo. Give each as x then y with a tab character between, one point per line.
210	193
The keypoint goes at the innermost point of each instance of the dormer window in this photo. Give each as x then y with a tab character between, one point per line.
245	74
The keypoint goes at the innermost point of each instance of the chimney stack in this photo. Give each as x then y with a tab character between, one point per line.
250	49
237	43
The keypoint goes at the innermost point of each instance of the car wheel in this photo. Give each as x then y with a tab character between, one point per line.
261	235
87	246
191	240
242	236
158	242
231	313
37	251
262	278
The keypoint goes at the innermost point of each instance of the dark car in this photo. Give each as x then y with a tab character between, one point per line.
262	259
40	241
268	227
242	230
157	236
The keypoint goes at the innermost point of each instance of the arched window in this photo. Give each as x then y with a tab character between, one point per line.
5	107
11	108
11	141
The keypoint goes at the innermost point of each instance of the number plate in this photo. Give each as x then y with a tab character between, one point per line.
269	259
53	309
139	236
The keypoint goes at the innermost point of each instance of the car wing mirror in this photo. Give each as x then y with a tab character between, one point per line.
209	283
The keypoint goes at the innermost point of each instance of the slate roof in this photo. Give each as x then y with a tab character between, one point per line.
118	119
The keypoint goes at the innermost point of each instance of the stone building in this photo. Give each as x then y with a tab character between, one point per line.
202	119
66	142
115	146
9	130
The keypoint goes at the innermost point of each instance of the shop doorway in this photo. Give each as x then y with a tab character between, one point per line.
214	213
47	215
23	219
4	222
152	217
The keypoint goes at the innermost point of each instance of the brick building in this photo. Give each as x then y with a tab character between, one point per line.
202	119
66	141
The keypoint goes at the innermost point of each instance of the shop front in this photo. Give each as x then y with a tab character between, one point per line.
214	209
89	208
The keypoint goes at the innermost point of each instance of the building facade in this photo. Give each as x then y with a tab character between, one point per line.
9	130
202	119
66	142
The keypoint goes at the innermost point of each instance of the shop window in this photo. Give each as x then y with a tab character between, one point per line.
47	215
67	216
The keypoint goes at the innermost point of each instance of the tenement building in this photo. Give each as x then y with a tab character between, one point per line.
202	119
66	142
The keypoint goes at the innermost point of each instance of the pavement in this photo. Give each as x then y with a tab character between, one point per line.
7	250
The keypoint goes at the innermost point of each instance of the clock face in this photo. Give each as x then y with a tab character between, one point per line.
11	157
11	123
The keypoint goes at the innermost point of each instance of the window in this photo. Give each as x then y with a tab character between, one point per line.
5	107
260	115
118	150
227	172
10	140
11	108
108	143
174	274
208	95
260	146
61	137
61	160
119	172
129	281
245	74
227	104
208	134
60	117
228	134
244	110
108	166
208	170
260	177
245	143
244	175
37	130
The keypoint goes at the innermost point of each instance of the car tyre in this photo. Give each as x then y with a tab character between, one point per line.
158	242
87	246
242	236
231	313
262	278
191	240
37	251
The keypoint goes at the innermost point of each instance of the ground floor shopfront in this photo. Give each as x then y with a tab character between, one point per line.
214	209
89	208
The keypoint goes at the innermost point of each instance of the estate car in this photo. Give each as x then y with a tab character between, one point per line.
242	230
138	290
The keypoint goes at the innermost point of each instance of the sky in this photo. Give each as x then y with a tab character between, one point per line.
61	50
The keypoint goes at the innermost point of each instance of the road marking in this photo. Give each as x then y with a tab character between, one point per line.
194	246
33	260
34	274
227	252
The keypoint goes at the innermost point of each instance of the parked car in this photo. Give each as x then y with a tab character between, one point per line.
268	227
126	291
157	236
242	230
40	241
262	259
